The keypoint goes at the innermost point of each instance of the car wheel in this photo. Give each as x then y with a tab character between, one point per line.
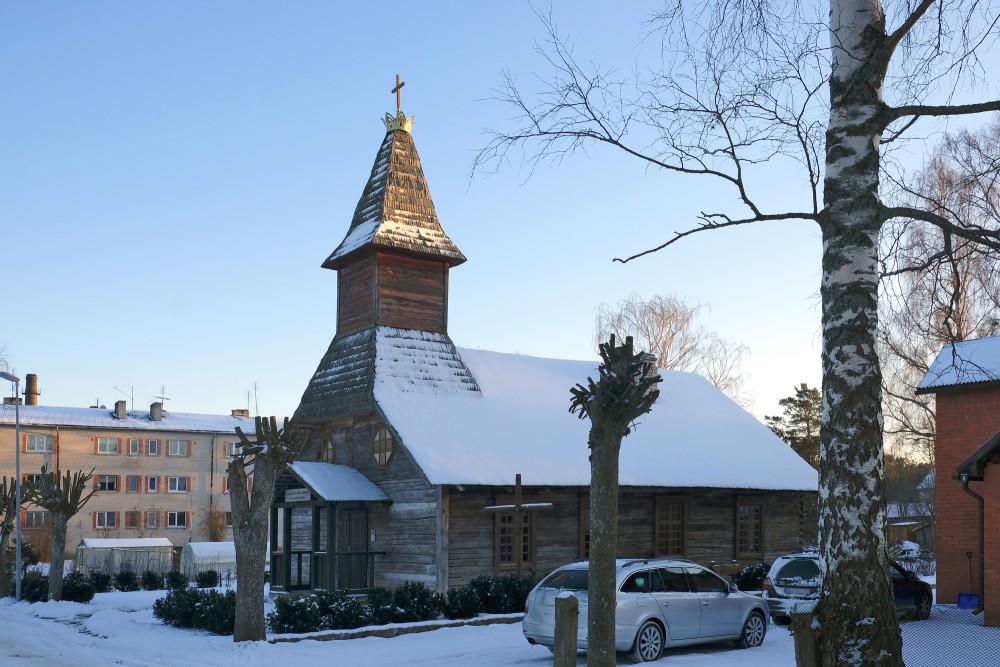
753	631
923	608
648	643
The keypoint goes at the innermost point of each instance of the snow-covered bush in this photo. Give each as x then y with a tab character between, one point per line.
175	579
207	579
126	581
35	587
750	577
462	602
100	580
152	580
77	588
194	608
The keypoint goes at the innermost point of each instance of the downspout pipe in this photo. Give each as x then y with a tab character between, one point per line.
964	477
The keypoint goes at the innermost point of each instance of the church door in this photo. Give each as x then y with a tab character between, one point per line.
352	548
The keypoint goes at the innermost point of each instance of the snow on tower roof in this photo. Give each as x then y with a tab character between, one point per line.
395	210
695	435
961	363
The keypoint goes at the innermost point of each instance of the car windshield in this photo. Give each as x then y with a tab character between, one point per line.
570	580
799	571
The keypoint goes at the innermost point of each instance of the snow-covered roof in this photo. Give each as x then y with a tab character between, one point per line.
695	436
337	483
211	550
963	362
134	543
395	210
135	420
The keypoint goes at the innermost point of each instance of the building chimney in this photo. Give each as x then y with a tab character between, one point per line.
120	412
31	389
156	411
241	412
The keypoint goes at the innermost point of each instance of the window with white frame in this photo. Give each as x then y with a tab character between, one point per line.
178	448
151	486
151	519
133	484
36	442
107	445
133	447
176	519
107	482
105	519
229	519
177	484
31	479
153	448
36	519
231	449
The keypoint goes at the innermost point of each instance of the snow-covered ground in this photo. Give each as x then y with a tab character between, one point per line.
119	628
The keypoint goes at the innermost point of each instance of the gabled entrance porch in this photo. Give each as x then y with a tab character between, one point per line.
319	529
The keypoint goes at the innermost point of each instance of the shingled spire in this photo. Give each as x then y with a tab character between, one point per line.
395	211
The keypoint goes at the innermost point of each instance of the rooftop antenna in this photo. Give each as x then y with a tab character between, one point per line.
131	395
162	396
256	407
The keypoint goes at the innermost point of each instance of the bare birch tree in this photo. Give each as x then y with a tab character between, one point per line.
667	326
937	288
752	82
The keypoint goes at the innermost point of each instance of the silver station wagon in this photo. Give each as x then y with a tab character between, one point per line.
661	603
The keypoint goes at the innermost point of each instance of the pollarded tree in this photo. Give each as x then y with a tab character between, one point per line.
823	87
264	458
667	326
624	391
63	497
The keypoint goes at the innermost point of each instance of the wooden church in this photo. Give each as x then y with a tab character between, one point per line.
418	448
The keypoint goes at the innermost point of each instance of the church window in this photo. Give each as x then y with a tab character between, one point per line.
669	527
382	446
749	528
506	544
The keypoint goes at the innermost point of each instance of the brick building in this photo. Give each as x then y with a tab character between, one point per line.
155	473
965	378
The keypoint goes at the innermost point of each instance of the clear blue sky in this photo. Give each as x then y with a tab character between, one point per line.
173	175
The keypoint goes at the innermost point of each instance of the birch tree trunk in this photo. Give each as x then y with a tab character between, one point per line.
58	557
851	495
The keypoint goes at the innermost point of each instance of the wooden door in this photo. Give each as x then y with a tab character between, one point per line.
352	549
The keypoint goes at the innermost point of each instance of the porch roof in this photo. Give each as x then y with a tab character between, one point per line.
975	465
337	483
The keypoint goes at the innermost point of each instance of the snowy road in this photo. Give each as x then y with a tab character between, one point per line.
119	629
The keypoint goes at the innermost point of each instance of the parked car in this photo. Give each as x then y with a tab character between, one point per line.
660	603
794	581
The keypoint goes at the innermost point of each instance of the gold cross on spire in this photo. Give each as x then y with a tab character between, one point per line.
399	85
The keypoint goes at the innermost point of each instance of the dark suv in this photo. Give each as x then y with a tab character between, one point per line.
794	581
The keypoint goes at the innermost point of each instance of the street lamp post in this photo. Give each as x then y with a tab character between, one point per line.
17	481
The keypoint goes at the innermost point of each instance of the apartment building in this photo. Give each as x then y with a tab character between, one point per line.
156	473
